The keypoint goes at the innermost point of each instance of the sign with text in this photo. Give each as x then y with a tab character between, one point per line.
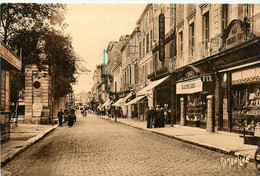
235	34
161	37
189	87
37	109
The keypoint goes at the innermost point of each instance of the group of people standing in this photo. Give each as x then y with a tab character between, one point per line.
68	115
157	117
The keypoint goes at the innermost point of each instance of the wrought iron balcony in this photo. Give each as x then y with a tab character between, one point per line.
215	45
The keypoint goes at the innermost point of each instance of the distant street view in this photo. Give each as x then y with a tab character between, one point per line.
130	89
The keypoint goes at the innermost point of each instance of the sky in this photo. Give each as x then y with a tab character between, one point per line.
92	27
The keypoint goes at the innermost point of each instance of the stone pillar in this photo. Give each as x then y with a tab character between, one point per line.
210	119
182	122
28	94
218	104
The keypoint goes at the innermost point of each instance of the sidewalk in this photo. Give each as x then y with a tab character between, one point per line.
224	142
21	138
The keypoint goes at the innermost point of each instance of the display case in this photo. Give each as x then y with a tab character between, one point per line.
245	108
196	109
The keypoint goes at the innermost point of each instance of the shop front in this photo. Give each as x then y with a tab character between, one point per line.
241	98
8	62
237	89
193	90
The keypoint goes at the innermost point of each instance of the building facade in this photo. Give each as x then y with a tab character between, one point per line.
202	60
217	72
9	61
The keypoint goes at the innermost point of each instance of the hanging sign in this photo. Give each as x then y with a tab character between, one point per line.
189	87
161	37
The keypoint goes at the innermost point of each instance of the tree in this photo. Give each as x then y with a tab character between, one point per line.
60	53
30	17
24	25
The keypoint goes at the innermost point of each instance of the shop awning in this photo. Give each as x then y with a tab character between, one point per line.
109	103
128	96
151	86
119	102
105	104
134	101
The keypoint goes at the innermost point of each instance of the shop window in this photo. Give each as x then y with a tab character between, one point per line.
196	109
245	107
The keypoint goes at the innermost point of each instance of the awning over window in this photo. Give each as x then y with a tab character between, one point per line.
128	96
152	85
134	101
119	102
106	103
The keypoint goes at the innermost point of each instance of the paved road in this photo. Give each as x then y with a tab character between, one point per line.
94	146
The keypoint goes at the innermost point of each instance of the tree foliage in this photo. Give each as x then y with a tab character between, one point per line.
24	25
30	17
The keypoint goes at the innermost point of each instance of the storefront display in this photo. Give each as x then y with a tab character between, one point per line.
245	107
196	109
194	87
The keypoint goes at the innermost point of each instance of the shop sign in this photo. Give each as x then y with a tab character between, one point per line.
37	109
207	78
190	71
7	55
161	37
189	87
235	35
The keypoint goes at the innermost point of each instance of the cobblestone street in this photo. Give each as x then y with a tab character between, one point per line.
94	146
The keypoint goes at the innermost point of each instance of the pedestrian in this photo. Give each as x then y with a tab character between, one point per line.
124	108
162	118
71	118
74	115
60	117
157	117
148	119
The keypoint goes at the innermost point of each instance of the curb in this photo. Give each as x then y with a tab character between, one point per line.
26	146
212	148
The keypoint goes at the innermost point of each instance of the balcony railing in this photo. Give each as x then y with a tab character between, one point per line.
255	24
211	47
199	51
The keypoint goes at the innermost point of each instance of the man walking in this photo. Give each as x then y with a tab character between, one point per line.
60	117
71	117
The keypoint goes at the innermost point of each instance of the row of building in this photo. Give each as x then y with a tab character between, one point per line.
202	60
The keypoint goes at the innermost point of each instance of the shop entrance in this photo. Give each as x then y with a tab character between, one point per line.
196	110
